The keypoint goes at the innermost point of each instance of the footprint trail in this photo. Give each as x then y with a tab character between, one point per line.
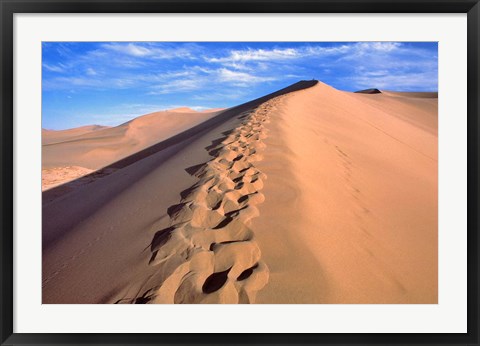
208	254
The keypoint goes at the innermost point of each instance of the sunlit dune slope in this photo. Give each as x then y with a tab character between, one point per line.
350	211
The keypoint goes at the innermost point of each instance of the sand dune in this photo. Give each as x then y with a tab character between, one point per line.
90	148
53	136
369	91
67	153
307	195
410	94
426	95
355	185
98	147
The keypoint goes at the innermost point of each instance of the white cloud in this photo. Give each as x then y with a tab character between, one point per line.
326	50
257	55
129	49
75	81
378	46
178	85
377	51
91	72
238	59
236	77
146	50
199	78
378	73
83	82
59	68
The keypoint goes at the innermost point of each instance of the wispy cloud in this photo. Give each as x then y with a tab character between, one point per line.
93	82
91	72
198	78
129	49
59	68
307	51
256	55
178	85
241	78
377	46
151	50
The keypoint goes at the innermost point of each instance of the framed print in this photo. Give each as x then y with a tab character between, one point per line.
239	173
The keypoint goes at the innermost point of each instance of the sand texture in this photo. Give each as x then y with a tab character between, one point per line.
306	195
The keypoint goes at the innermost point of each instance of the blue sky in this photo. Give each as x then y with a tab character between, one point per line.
108	83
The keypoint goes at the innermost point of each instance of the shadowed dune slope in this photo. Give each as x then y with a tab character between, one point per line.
350	211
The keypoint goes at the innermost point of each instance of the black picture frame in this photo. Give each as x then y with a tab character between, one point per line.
10	7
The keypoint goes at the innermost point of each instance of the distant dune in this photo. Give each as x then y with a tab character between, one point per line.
369	91
409	94
52	136
182	110
427	95
307	195
94	147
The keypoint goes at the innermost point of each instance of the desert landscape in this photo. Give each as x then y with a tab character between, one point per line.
308	195
239	173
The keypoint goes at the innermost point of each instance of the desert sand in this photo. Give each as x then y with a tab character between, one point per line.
306	195
86	149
